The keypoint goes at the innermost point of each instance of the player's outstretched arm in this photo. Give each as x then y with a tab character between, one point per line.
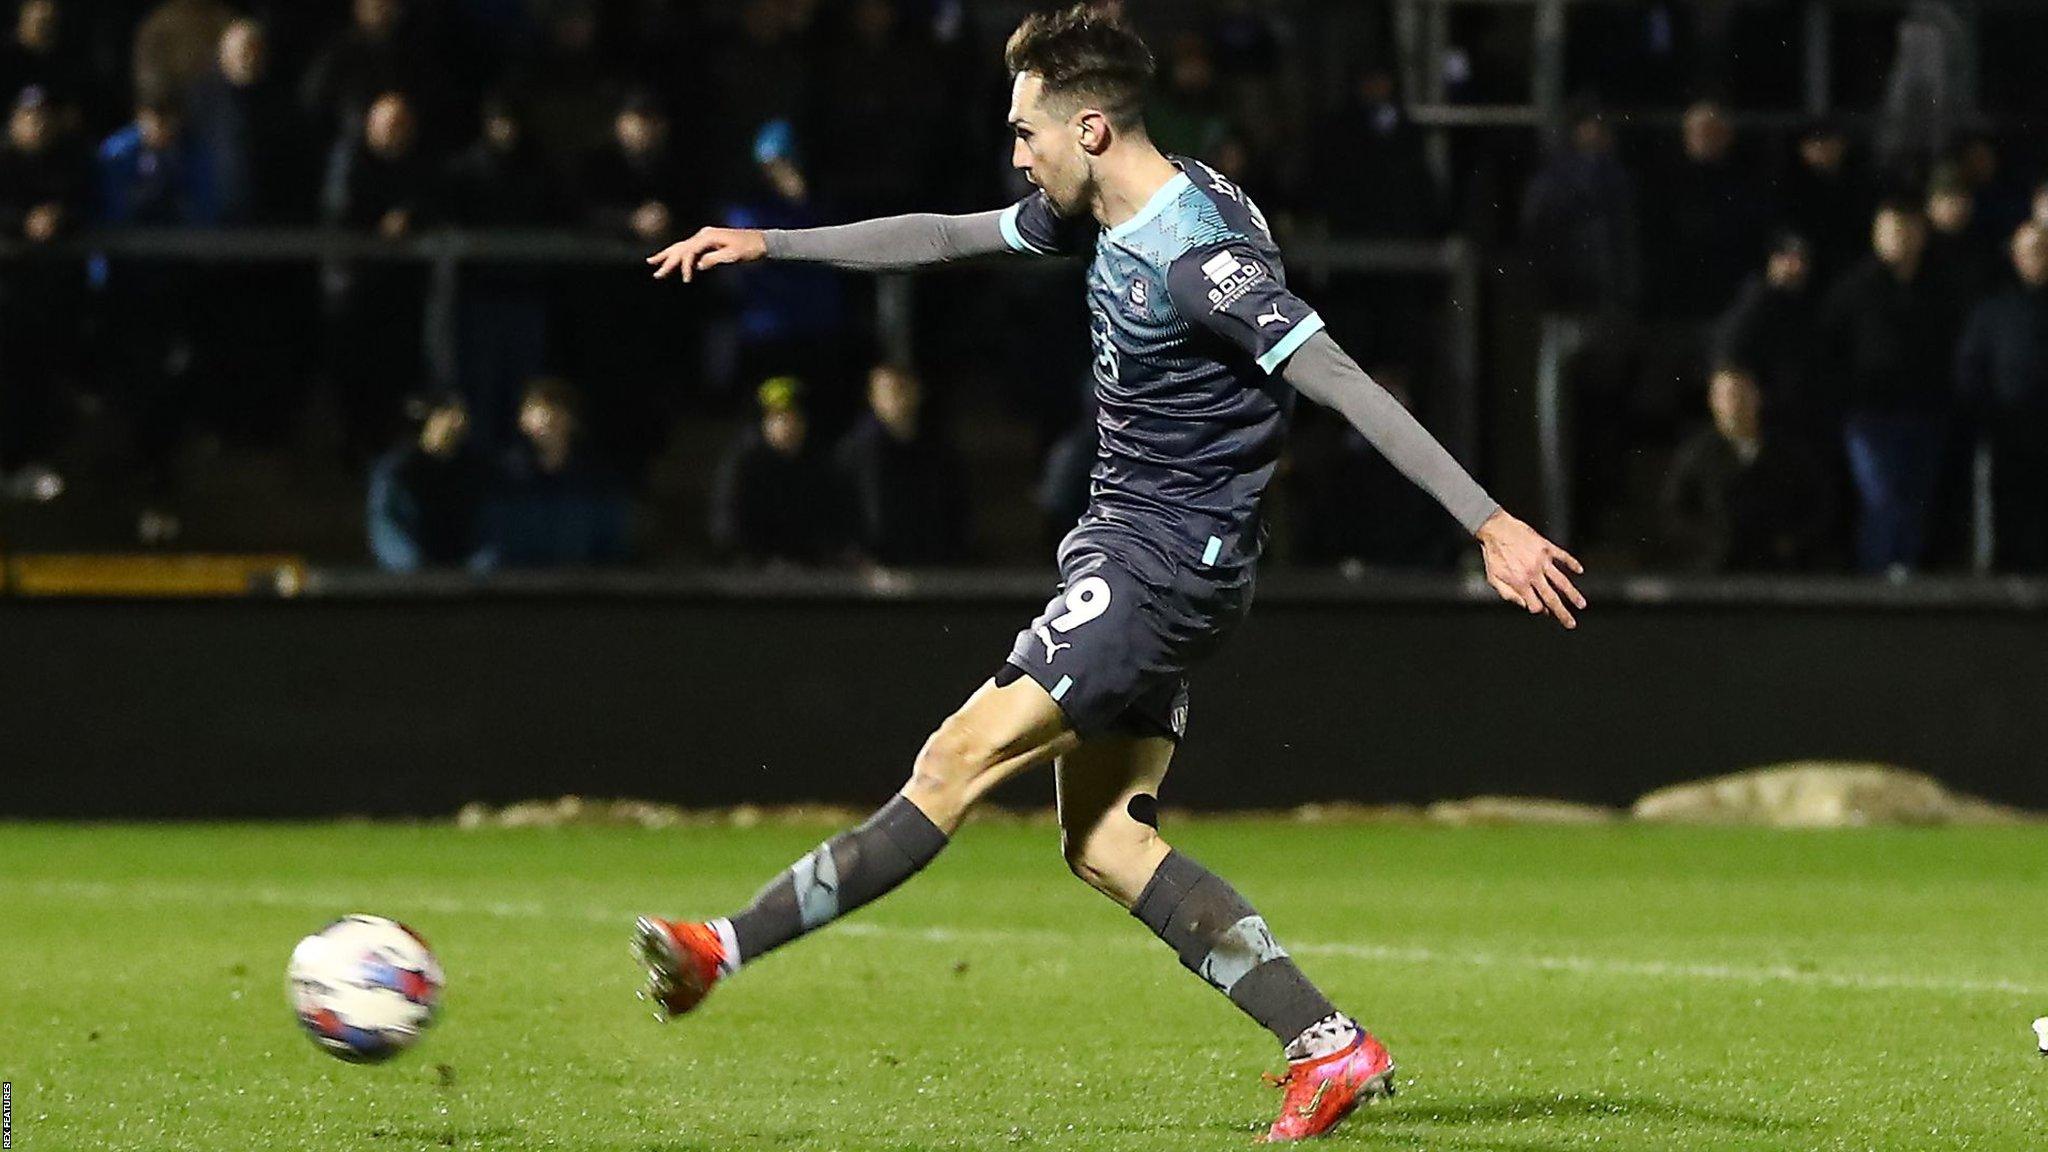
1523	567
891	244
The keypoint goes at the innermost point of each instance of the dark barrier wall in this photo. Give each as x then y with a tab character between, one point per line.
415	705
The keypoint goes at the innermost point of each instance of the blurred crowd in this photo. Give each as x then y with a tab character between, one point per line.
1870	332
1779	352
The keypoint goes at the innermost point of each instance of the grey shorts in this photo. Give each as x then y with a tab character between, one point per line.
1116	644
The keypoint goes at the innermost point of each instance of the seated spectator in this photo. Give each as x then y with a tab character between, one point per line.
151	173
1887	344
2002	378
558	504
377	180
1769	329
175	46
427	496
774	501
1740	497
904	477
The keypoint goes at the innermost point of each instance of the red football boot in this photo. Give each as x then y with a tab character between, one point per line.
1321	1093
683	961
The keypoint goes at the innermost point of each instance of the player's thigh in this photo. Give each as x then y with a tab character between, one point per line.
1108	792
1000	731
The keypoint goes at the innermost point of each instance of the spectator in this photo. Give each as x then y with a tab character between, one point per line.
254	138
377	180
774	502
1887	341
1579	223
501	181
1769	329
43	193
1712	221
427	496
151	172
904	477
2002	377
1740	497
176	45
790	318
1827	198
560	505
1371	177
634	187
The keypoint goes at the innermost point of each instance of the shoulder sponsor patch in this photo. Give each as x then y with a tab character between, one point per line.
1232	274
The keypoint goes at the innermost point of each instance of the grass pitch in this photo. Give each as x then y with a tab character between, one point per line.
1611	988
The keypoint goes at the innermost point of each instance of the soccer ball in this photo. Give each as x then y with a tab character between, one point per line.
364	987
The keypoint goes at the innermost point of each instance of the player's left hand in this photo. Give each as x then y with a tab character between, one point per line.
1528	570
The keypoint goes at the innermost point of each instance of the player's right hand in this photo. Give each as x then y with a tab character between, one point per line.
709	248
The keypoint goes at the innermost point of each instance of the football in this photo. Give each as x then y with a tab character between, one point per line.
364	987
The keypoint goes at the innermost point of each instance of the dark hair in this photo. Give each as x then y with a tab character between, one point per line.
1085	55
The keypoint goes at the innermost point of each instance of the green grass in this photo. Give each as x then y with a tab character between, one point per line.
1611	988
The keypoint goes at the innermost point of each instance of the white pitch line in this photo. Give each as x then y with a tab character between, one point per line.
335	903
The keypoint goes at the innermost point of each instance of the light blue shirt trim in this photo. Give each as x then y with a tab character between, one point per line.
1166	195
1272	361
1214	550
1013	236
1059	690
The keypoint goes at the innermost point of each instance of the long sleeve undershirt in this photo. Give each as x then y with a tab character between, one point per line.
1319	370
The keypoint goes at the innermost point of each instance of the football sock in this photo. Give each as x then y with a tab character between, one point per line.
1221	939
840	875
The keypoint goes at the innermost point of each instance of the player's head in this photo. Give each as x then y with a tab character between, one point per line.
1080	77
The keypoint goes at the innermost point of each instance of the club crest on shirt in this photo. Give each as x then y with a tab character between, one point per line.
1231	275
1139	300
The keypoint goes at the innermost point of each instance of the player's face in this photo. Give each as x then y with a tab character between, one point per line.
1048	147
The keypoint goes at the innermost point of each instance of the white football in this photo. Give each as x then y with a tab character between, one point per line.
364	987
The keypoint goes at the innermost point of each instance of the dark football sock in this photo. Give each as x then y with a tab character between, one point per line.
840	875
1220	938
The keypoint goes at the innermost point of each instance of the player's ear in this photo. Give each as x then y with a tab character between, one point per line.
1092	128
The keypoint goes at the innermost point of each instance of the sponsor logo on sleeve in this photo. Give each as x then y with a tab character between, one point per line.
1231	275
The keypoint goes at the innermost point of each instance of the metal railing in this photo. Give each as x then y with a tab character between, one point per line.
445	253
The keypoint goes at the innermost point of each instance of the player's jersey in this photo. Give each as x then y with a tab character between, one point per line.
1192	321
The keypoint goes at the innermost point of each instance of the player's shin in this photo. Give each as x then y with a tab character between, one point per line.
1221	938
851	869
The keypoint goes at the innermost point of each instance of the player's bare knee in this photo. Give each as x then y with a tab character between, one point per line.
1115	858
949	764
